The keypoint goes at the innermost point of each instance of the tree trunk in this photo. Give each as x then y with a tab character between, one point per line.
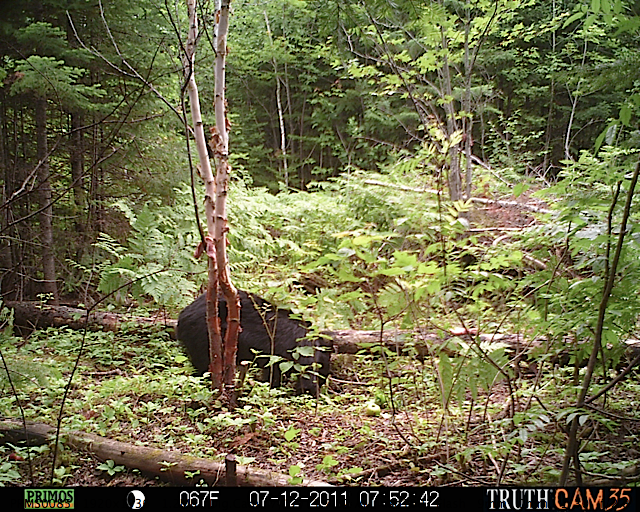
46	215
466	109
76	160
223	170
213	325
546	162
283	139
222	353
7	272
454	178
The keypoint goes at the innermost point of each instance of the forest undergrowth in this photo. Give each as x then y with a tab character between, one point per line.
475	408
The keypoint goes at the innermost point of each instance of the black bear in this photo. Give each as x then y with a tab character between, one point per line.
264	329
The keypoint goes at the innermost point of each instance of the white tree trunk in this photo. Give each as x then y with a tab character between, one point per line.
196	116
283	139
215	339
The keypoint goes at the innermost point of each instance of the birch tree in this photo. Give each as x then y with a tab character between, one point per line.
222	352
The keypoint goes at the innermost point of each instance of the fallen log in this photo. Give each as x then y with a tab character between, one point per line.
169	466
34	315
424	343
29	316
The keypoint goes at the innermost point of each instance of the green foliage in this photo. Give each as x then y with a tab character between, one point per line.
44	73
22	369
42	38
156	261
290	54
545	81
476	366
398	285
328	462
296	476
8	472
588	226
110	467
288	229
373	114
47	77
269	232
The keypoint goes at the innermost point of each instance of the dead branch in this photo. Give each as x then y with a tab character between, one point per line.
493	228
481	200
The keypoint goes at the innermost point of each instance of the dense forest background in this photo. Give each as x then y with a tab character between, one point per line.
316	91
369	143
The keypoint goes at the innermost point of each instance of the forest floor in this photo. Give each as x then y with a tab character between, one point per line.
337	444
341	445
135	387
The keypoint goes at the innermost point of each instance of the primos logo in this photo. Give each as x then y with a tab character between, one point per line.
49	498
